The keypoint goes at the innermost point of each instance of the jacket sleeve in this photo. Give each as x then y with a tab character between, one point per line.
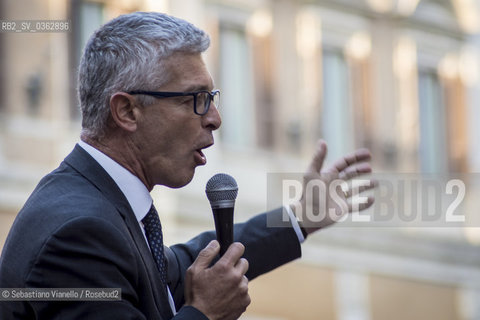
269	240
189	313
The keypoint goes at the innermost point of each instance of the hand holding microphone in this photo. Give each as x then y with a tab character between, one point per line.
220	291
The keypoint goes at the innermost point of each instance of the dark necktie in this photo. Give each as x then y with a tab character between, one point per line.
153	231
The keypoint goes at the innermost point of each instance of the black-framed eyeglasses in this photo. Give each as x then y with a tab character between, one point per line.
201	99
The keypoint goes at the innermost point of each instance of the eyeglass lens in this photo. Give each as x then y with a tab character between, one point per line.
204	99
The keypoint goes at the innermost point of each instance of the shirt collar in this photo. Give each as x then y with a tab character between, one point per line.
132	187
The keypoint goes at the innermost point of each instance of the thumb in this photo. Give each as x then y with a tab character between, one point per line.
206	256
318	158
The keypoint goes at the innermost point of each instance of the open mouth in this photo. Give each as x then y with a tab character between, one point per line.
200	158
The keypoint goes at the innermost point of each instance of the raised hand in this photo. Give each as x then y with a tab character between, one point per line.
329	194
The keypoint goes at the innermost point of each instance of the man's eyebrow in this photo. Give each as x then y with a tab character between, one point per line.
194	88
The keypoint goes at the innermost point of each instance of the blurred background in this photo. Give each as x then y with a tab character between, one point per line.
401	77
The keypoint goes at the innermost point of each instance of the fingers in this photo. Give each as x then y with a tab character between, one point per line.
355	201
349	160
242	265
233	254
219	291
357	204
355	171
206	256
318	158
233	259
359	186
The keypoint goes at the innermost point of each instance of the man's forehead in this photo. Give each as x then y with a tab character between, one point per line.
189	71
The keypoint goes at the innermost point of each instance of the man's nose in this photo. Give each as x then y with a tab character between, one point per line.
212	119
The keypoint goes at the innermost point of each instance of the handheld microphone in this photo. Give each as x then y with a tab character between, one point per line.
222	191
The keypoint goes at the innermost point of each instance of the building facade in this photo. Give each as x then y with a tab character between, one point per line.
401	77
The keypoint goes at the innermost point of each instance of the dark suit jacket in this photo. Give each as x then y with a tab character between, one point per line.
77	230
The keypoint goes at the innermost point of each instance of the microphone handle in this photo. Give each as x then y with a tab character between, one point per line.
224	226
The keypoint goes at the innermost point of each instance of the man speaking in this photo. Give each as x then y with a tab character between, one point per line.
149	107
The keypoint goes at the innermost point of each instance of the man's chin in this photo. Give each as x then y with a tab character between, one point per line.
181	181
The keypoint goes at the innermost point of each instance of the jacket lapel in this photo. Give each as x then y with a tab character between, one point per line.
83	163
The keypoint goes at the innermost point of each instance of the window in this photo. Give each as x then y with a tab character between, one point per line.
86	18
336	123
433	136
236	83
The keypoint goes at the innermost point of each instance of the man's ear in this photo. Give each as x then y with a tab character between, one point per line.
124	110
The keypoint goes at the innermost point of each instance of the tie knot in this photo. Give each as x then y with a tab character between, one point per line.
151	219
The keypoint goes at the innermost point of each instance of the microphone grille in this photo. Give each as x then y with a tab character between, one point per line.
221	187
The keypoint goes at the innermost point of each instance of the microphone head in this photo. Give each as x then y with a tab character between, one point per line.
221	188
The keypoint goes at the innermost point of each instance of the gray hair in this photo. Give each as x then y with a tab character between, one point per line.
128	53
